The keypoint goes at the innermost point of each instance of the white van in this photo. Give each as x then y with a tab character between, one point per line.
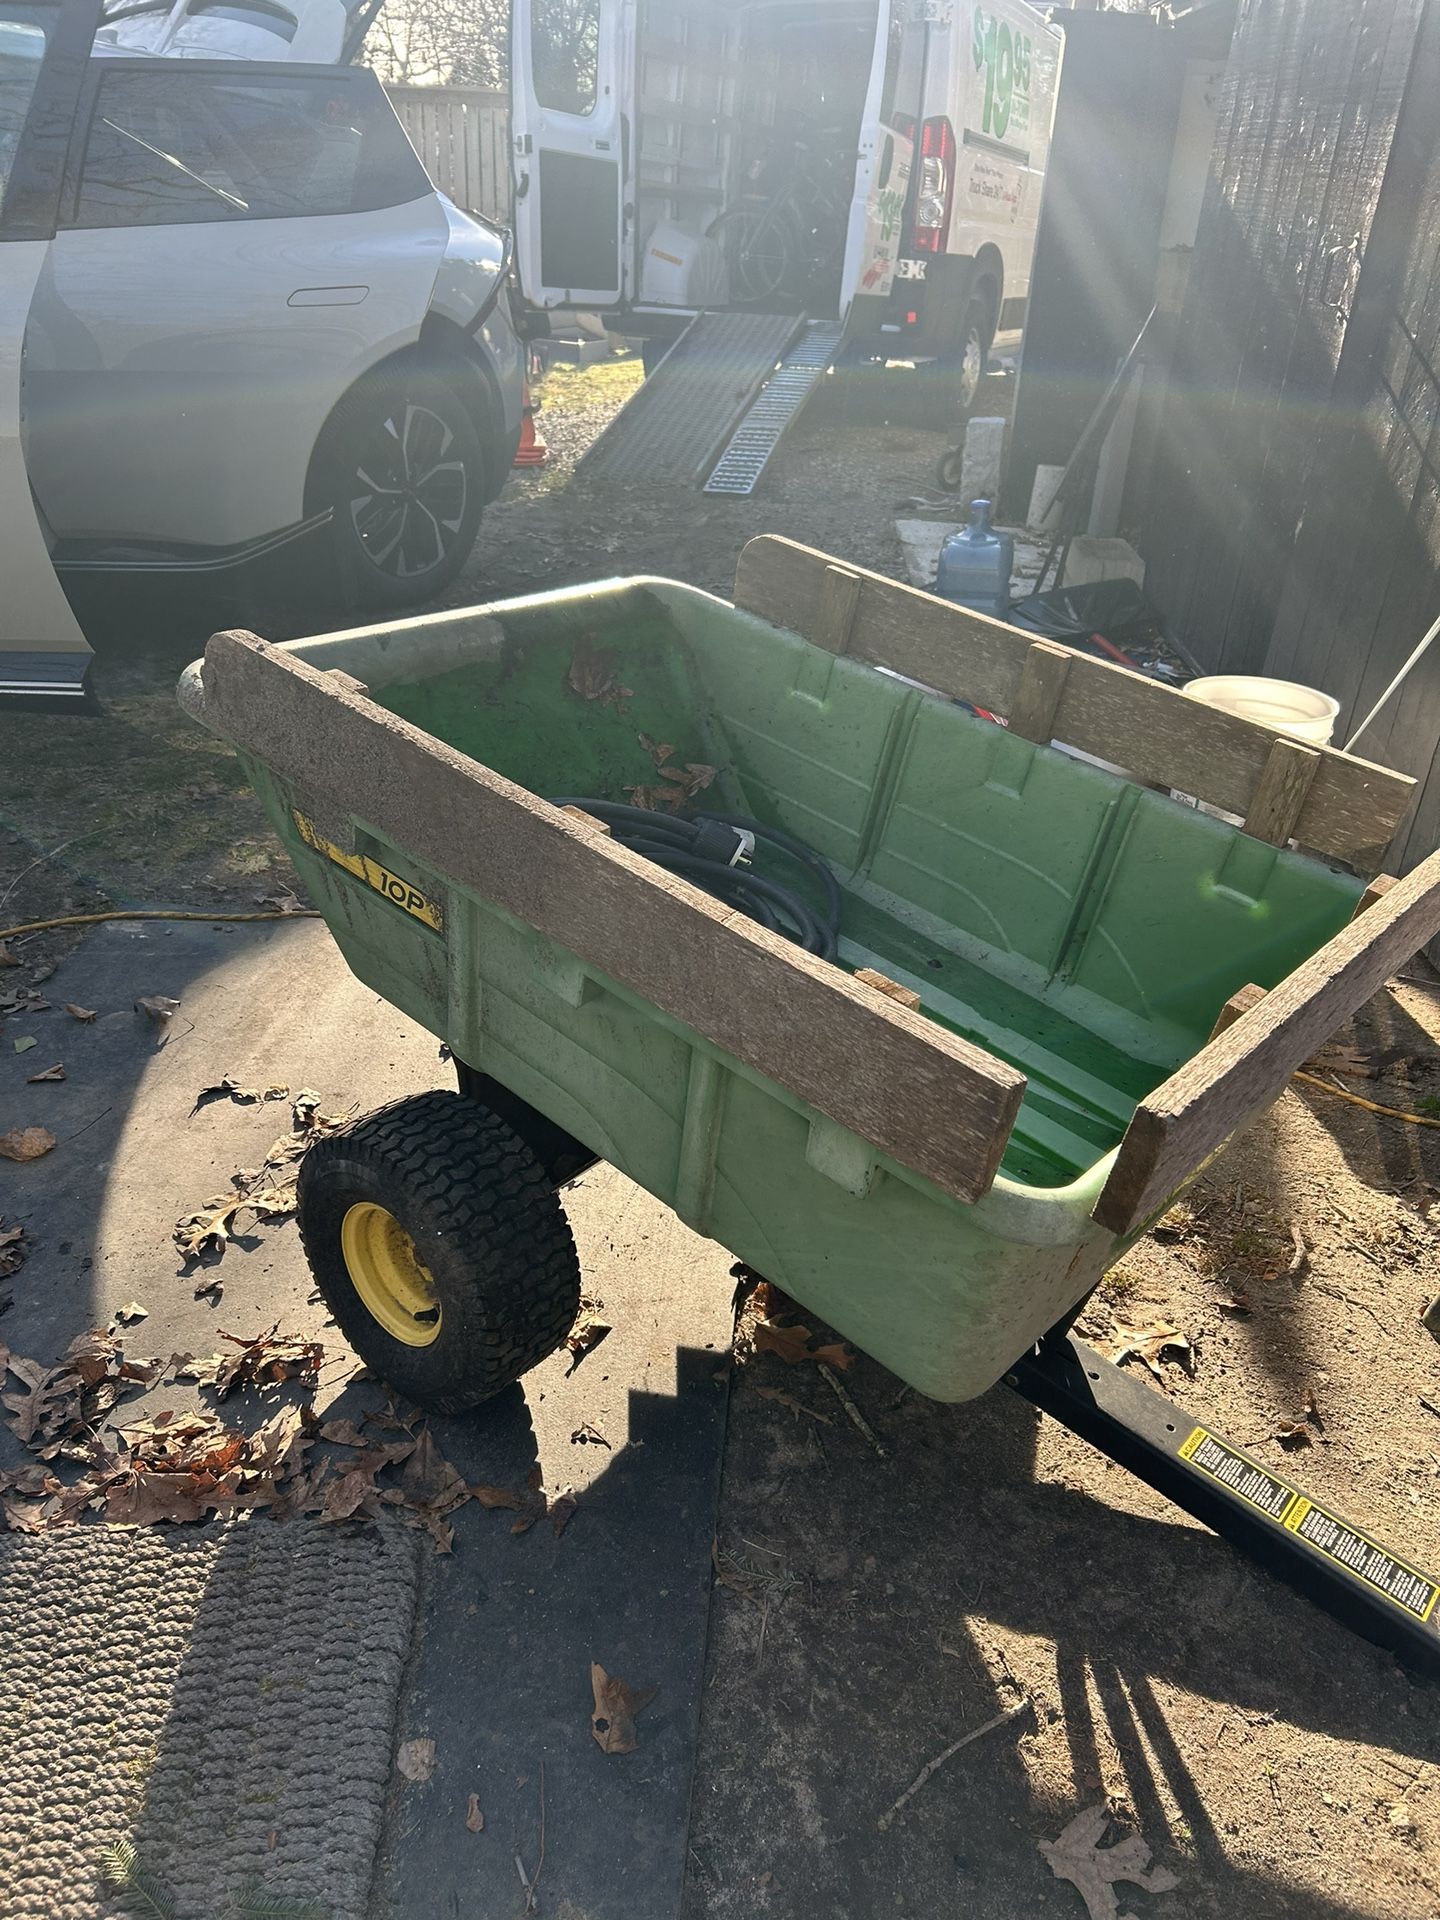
875	161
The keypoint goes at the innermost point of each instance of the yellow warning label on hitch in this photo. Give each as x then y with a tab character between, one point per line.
401	892
1364	1559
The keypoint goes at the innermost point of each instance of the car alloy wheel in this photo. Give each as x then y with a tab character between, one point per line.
409	492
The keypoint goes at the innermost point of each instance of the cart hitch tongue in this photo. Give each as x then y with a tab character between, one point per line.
1300	1540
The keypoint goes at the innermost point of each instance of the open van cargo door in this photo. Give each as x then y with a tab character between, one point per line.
874	235
571	143
44	53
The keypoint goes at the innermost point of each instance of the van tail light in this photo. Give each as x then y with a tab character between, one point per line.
935	200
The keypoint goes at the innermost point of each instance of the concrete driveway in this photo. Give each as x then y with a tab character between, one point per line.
499	1676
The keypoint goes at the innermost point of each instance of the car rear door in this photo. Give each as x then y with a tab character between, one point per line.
239	244
570	135
44	49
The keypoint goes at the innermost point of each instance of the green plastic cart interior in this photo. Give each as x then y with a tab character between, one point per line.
1078	926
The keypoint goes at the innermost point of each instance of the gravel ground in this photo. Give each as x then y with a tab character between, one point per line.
848	466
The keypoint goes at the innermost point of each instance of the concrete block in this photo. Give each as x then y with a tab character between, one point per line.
573	353
1093	557
980	462
1044	514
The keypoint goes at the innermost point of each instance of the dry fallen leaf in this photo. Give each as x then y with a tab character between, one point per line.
416	1759
1293	1434
57	1072
230	1089
1076	1855
583	1338
474	1818
265	1361
652	799
592	674
24	1044
659	750
691	778
22	1000
158	1007
13	1250
429	1480
1151	1345
26	1143
131	1312
7	959
493	1497
562	1512
793	1345
616	1705
79	1013
208	1229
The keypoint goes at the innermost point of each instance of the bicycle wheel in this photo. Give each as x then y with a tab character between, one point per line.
759	248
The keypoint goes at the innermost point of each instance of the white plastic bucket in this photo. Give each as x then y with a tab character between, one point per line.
1303	712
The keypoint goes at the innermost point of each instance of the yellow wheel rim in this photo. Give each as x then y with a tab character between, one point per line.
387	1273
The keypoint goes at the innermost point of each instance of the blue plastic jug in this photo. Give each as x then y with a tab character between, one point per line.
975	565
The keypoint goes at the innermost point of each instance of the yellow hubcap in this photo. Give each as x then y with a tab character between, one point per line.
387	1274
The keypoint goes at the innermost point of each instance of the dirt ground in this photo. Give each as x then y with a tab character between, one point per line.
872	1609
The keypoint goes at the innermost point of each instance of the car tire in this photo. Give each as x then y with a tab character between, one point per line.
950	469
401	468
440	1247
965	368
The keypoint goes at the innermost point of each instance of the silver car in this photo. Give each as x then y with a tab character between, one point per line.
258	323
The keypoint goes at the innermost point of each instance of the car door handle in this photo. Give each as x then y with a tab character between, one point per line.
327	296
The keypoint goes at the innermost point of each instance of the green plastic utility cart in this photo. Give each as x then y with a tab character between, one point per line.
941	1158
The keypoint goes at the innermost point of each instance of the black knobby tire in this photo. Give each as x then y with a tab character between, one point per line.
485	1223
401	468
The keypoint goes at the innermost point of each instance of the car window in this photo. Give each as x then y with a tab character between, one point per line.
175	147
23	32
904	74
565	54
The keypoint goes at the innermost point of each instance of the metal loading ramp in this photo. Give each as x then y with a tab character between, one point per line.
739	467
676	425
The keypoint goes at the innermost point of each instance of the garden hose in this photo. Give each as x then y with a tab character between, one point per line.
715	850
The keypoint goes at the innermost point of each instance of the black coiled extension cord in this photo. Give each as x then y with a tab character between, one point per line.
714	850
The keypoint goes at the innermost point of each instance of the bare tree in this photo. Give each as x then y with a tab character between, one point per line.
441	42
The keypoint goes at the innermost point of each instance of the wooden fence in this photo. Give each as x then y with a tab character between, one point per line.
462	134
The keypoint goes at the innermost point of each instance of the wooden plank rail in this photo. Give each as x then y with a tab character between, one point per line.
1248	1064
926	1097
1332	802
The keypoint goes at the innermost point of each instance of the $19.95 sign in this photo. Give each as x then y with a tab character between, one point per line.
1004	55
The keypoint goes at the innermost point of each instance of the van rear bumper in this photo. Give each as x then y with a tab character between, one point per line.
924	312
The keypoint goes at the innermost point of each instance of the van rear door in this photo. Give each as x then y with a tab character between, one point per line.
44	52
887	152
569	135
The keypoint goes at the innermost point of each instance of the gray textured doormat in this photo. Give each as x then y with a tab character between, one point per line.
221	1698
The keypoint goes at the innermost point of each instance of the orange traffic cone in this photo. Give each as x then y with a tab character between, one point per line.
532	450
